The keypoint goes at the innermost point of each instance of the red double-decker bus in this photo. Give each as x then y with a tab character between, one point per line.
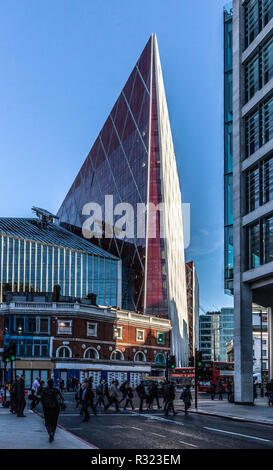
216	372
182	376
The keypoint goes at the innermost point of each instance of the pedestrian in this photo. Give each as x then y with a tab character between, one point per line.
229	391
74	384
122	388
68	384
62	385
78	395
154	394
221	390
269	389
186	397
170	396
113	396
106	391
100	394
34	389
141	391
85	399
212	390
91	394
51	399
129	394
20	395
13	396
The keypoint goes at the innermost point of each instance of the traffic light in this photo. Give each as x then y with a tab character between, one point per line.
191	361
9	353
171	362
199	359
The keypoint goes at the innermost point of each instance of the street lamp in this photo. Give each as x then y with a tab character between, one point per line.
261	328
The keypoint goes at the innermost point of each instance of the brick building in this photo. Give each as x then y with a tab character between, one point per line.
76	339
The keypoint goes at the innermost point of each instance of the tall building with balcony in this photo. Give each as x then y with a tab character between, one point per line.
252	116
133	162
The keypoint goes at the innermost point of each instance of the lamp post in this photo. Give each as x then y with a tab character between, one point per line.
261	329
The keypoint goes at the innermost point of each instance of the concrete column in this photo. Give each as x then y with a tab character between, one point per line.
243	377
270	342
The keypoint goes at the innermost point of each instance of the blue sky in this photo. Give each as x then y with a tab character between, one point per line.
63	65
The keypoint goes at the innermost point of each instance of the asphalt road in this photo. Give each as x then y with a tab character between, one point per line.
152	430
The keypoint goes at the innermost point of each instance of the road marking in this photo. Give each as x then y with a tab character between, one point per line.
155	434
187	444
238	434
138	429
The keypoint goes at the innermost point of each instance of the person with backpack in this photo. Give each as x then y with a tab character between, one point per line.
221	390
186	397
51	399
170	396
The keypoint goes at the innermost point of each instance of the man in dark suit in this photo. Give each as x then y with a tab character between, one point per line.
21	401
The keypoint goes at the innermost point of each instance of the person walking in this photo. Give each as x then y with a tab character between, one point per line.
68	384
212	390
78	396
229	391
100	393
141	391
122	388
129	395
13	396
91	394
113	395
221	390
51	399
187	398
154	394
85	399
74	384
61	385
34	389
20	395
269	389
170	396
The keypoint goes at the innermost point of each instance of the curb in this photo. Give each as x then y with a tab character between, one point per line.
92	446
232	418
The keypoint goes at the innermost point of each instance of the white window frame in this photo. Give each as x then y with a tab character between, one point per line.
144	355
65	332
66	347
140	340
95	328
91	358
117	350
121	331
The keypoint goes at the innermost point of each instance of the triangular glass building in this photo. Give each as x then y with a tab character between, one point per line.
133	160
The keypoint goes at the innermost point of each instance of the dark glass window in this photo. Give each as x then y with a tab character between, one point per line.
268	240
267	121
252	133
267	61
31	322
44	325
228	148
252	77
267	7
228	45
228	199
19	325
252	189
254	246
228	97
267	180
252	26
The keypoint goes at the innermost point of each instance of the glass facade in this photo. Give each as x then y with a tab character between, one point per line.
216	329
257	14
33	266
260	242
259	184
259	127
259	69
228	161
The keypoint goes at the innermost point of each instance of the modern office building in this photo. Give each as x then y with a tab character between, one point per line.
67	339
193	306
37	254
228	164
252	121
216	330
132	162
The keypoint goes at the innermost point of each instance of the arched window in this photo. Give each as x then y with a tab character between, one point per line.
91	353
63	351
160	359
140	357
117	356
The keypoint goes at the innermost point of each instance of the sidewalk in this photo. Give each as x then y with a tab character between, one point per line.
30	433
259	413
